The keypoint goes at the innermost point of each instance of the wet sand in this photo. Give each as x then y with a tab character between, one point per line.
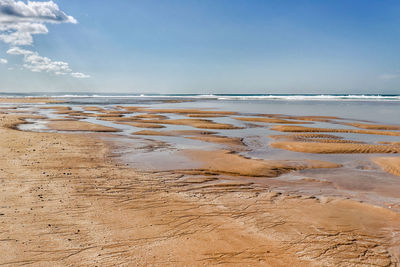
79	126
227	162
66	200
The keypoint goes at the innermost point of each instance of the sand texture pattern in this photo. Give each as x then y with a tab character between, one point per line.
286	128
328	147
389	164
80	126
65	201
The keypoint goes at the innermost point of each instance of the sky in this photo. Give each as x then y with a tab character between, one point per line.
200	46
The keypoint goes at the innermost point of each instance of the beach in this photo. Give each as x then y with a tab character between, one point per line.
187	182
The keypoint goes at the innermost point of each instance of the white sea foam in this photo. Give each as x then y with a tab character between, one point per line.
287	97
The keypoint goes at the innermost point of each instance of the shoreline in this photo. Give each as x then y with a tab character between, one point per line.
68	202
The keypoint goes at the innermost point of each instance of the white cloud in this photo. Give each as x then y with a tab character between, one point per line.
3	61
18	51
19	21
33	11
389	76
21	33
36	63
79	75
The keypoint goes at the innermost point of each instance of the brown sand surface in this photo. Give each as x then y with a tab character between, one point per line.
389	164
114	119
110	111
231	141
389	143
303	118
58	108
79	126
374	126
99	115
131	108
64	202
174	133
149	116
93	108
196	123
205	115
190	111
69	112
269	120
301	136
328	148
30	100
234	164
313	118
317	138
177	111
287	128
142	125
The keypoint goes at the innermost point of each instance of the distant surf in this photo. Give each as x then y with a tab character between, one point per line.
288	97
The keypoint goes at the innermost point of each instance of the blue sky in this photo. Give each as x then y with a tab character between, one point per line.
208	46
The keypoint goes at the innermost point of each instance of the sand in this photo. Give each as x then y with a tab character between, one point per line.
149	116
319	138
230	141
205	115
287	128
79	126
36	100
374	126
190	111
142	125
196	123
93	108
234	164
57	108
269	120
173	133
389	164
335	147
66	202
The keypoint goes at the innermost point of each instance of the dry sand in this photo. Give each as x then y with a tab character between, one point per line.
318	138
389	164
287	128
374	126
335	147
30	100
65	202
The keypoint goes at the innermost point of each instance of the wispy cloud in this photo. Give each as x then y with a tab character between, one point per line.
19	21
389	76
3	61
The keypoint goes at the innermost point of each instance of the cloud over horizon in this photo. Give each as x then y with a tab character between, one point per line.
389	76
19	21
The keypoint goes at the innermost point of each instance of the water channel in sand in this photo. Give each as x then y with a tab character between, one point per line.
358	178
